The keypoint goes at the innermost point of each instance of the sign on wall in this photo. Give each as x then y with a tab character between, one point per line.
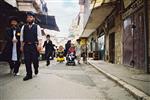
83	41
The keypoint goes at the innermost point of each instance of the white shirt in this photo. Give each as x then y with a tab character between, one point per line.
14	50
78	49
39	34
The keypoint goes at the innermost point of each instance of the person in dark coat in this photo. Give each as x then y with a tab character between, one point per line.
49	49
67	46
31	39
12	50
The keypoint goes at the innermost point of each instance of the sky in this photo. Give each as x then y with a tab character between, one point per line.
64	11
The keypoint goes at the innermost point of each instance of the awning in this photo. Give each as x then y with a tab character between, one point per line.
45	21
6	6
98	15
5	11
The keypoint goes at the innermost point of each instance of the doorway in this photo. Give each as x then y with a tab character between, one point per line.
134	40
112	48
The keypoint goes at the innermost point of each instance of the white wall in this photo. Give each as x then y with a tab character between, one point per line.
12	2
87	12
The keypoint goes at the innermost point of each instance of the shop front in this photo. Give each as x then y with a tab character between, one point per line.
98	14
101	46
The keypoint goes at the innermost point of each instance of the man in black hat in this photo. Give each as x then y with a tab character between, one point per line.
31	45
67	46
12	49
49	49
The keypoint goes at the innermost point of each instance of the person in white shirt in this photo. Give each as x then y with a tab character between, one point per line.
13	52
31	45
78	51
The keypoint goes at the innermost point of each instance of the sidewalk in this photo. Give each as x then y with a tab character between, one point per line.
134	81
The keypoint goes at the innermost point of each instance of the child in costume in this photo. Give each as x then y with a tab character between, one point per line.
60	54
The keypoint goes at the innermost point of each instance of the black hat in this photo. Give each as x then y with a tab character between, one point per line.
13	18
47	36
69	40
30	14
78	40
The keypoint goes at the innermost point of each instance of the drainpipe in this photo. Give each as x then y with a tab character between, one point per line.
146	28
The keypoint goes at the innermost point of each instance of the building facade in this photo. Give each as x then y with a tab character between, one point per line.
121	35
135	34
148	30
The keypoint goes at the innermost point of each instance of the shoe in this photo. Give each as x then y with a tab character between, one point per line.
27	78
16	74
36	72
47	64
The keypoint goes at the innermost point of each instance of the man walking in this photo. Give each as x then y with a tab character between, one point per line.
67	46
49	49
31	45
12	49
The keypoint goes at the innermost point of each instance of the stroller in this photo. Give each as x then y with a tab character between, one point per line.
71	56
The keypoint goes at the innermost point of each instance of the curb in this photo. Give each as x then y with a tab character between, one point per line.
138	94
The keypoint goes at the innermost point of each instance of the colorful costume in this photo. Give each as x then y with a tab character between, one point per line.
60	55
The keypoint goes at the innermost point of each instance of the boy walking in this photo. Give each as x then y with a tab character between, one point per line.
49	49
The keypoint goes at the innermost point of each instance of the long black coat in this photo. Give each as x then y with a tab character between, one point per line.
67	46
49	48
7	52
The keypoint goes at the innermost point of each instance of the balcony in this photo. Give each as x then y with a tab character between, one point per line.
28	5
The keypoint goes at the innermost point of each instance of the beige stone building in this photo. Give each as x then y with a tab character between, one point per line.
118	31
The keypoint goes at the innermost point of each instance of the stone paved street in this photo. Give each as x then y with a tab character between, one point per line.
60	82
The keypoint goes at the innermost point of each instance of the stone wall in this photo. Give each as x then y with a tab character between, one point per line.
118	40
148	6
